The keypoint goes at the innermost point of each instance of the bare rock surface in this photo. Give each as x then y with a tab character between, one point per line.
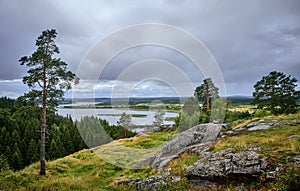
260	127
195	137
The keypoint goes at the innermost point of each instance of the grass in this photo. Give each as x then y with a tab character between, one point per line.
243	108
127	152
85	170
80	171
62	174
178	165
155	139
274	142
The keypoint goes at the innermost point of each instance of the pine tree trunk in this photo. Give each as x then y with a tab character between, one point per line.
207	100
43	142
43	129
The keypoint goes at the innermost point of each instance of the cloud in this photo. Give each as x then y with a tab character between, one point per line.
118	88
12	88
247	38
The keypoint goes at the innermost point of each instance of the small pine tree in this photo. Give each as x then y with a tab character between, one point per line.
125	120
158	118
206	93
191	106
187	121
218	110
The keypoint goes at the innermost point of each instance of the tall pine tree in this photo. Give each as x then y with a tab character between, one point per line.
47	79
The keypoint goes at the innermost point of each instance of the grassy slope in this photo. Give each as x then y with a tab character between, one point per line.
86	171
83	170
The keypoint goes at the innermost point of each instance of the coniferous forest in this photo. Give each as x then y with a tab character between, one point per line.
20	124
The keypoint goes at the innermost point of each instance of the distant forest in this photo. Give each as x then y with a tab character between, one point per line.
165	100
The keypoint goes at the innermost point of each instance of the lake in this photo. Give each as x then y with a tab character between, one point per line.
78	113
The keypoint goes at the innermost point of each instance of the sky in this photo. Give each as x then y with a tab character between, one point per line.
239	42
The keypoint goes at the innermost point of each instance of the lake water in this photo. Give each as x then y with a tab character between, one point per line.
77	114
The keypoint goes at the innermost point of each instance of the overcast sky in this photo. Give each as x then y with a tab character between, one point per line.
247	39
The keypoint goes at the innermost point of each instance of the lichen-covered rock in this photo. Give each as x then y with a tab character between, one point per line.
226	165
151	183
197	136
207	185
156	182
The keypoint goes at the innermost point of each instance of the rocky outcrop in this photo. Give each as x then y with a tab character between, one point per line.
196	138
213	169
227	164
156	182
259	125
151	183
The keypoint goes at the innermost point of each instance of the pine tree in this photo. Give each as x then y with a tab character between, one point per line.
48	78
125	120
218	111
277	93
187	121
206	93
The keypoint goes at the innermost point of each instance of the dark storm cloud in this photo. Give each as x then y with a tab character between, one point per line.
21	23
247	38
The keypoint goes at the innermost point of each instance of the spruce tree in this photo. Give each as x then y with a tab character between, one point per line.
16	160
31	154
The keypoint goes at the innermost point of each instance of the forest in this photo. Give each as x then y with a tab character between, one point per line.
20	124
